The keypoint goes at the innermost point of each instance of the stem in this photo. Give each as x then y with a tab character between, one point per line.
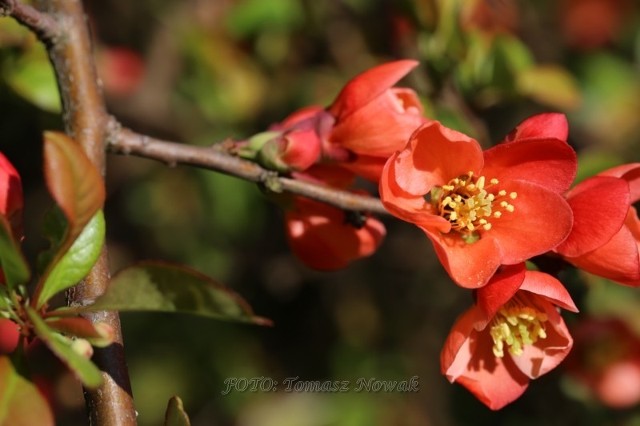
126	142
85	118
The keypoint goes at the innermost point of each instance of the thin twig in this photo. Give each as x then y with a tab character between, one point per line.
42	24
126	142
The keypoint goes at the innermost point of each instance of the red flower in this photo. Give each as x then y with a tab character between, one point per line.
323	238
605	239
368	121
513	333
11	200
483	210
606	360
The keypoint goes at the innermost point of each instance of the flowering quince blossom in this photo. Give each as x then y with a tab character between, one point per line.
324	237
512	334
605	239
606	361
368	121
482	210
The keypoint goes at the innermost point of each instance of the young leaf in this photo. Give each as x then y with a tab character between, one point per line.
175	414
84	369
74	183
163	287
76	263
20	401
14	266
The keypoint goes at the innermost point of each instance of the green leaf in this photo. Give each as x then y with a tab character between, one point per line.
84	369
32	77
76	263
163	287
20	401
550	85
175	415
78	189
14	266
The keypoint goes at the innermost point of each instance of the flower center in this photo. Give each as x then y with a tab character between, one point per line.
468	203
516	325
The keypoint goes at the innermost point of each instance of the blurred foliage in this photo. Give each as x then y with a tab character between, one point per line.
207	70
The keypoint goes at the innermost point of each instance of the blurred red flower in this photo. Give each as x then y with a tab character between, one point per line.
482	210
606	359
512	334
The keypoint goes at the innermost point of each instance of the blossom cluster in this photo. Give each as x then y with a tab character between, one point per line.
486	213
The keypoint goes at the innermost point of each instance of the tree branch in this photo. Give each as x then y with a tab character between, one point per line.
85	118
126	142
42	24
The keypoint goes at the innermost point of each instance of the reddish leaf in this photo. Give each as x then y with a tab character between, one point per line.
73	181
21	404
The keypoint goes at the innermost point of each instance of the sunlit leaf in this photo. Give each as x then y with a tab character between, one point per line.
21	404
76	263
549	85
32	77
175	414
14	266
163	287
78	189
83	368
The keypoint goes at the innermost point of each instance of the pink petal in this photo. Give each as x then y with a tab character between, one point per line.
541	126
541	220
550	163
368	85
600	205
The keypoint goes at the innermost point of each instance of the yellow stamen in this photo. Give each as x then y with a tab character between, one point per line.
468	203
517	325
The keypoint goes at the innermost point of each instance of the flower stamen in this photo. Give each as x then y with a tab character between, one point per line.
468	203
515	326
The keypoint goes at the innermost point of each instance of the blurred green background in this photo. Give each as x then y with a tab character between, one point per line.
200	71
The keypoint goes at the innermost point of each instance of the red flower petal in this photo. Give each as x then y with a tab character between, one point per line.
617	260
545	355
467	358
406	206
499	290
320	237
541	126
434	156
548	162
368	85
600	205
378	128
548	287
630	173
541	220
469	265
